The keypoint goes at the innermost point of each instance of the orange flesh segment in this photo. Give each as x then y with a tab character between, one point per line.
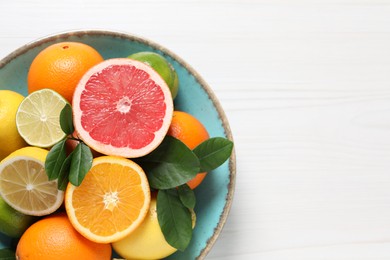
110	199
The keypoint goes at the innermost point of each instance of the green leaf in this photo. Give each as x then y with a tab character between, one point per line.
213	152
63	176
66	120
170	165
80	164
187	196
7	254
174	219
54	160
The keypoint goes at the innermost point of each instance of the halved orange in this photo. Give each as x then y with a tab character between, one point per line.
112	200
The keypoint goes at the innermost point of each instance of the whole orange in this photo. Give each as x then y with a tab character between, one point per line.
60	67
55	238
191	132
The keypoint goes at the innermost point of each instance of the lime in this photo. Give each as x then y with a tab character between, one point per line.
161	66
10	139
24	184
38	118
12	222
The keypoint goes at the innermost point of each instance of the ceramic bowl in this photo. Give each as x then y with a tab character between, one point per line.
215	194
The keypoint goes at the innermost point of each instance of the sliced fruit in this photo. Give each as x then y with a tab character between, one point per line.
24	184
162	66
38	118
112	200
122	107
147	241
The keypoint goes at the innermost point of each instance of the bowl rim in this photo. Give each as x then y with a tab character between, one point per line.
133	37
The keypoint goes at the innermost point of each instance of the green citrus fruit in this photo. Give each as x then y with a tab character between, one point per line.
38	118
161	66
12	222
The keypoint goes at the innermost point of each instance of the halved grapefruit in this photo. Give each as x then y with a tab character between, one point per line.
122	107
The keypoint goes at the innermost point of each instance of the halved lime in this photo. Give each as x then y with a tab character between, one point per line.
38	118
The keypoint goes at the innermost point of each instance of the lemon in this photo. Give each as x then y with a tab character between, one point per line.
38	118
161	66
24	184
147	241
12	222
10	139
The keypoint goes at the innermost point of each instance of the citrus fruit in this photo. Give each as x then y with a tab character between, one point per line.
38	118
54	237
24	184
10	139
122	107
112	200
147	241
191	132
162	66
12	222
60	67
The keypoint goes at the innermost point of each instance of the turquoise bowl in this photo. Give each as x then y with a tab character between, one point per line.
215	194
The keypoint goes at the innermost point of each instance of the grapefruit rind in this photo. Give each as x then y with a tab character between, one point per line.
108	148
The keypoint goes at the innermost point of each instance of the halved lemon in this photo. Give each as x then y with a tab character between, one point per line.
24	184
112	200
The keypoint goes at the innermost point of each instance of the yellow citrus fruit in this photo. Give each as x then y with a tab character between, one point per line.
55	238
38	118
60	67
10	139
191	132
147	241
112	200
24	184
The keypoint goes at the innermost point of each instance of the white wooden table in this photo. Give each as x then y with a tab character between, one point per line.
306	88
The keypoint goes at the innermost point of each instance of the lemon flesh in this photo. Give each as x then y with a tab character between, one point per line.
38	118
24	184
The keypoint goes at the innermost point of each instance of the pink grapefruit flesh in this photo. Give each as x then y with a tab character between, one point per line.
122	107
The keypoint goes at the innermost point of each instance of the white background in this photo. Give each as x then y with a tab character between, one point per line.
306	88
